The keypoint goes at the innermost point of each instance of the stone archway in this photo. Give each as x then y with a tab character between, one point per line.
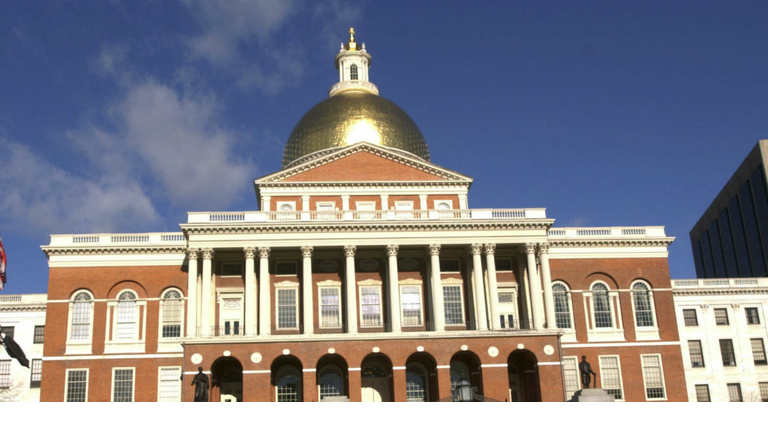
376	379
465	365
287	379
523	373
421	378
332	379
227	385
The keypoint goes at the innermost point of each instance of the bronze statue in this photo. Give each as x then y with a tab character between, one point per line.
586	369
201	383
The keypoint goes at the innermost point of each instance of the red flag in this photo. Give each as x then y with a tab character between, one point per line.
3	261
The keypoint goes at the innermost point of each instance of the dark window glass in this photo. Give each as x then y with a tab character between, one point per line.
753	317
752	230
503	264
697	355
721	316
726	350
761	205
9	331
758	352
706	252
37	372
734	393
702	393
689	316
39	334
729	252
697	259
717	250
739	241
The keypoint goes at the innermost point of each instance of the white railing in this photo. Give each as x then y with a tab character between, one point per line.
227	217
346	215
610	232
350	85
117	239
720	283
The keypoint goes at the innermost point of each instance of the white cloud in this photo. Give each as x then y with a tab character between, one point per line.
336	17
38	196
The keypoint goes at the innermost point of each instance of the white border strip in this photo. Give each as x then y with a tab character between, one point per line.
619	344
354	369
309	370
548	364
256	371
495	365
398	367
443	366
114	357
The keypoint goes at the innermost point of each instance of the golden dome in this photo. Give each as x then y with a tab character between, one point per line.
350	117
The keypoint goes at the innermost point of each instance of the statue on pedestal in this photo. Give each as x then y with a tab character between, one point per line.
586	369
201	383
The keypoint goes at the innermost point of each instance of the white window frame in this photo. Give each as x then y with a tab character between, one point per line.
375	285
75	346
404	209
287	286
594	333
286	214
661	374
66	382
569	392
237	263
228	295
177	373
135	344
621	379
645	332
133	382
420	288
333	286
508	288
438	203
570	332
171	342
9	375
453	283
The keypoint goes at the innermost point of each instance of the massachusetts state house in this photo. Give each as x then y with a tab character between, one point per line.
364	276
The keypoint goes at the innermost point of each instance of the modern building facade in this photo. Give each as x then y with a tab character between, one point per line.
723	334
731	239
364	276
23	317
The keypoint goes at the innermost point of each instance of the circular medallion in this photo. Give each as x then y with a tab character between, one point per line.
196	358
331	351
520	346
408	264
420	348
375	349
493	351
227	353
329	266
464	347
256	357
369	265
549	350
286	351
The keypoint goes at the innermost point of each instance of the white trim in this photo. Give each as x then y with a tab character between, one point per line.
331	285
661	373
159	381
421	305
161	315
133	383
443	366
452	282
616	331
647	332
618	366
257	371
398	367
284	286
548	364
79	346
619	344
66	381
112	357
495	365
309	370
354	369
375	285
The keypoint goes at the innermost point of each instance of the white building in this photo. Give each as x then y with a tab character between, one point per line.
23	317
723	336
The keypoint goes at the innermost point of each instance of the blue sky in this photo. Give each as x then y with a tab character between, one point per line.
121	116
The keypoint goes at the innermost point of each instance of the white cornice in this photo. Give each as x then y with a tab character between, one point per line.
664	241
116	250
718	291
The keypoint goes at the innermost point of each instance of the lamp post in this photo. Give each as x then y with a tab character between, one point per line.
465	392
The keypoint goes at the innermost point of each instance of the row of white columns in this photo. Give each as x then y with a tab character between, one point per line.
542	304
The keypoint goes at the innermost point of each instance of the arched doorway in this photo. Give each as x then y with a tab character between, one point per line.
523	374
332	379
421	378
376	379
466	370
286	377
228	378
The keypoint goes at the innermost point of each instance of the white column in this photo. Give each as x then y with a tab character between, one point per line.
463	205
437	288
251	314
385	202
480	308
423	202
205	300
394	289
493	288
307	285
192	254
549	300
351	282
265	203
345	202
534	288
265	313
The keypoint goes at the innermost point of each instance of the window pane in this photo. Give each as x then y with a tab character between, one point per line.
734	392
642	299
602	305
758	352
415	384
562	310
702	393
329	308
123	385
726	350
764	391
77	381
653	377
39	334
5	373
752	316
452	302
689	316
697	355
36	371
126	316
286	309
331	383
571	374
610	376
170	385
370	303
721	316
172	311
81	317
411	298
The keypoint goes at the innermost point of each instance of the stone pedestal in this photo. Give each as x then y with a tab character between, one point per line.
592	395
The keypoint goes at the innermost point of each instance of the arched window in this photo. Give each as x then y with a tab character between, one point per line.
171	314
331	382
601	302
81	317
126	316
288	384
562	306
416	383
353	72
642	301
459	374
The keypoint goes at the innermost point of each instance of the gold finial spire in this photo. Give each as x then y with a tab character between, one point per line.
352	45
351	34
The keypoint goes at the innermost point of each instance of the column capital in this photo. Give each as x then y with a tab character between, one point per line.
264	252
475	248
433	249
306	251
249	252
543	249
735	306
349	251
490	249
207	254
193	253
704	306
392	250
530	248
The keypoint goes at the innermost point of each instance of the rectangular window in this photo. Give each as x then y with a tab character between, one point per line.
330	308
286	268
5	373
122	385
172	312
449	266
39	334
689	316
734	393
610	376
169	384
506	309
81	321
752	316
231	269
702	393
653	376
758	352
126	320
231	327
370	305
726	350
503	264
721	316
763	391
571	375
9	331
77	385
452	302
697	354
411	298
36	370
286	309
